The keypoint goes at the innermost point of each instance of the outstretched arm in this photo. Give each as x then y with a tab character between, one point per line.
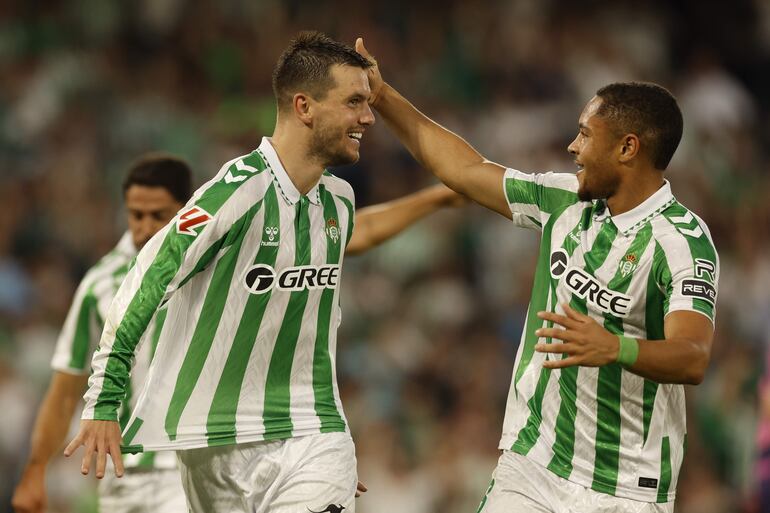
51	426
440	151
378	223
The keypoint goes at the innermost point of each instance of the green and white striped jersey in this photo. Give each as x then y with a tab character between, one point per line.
83	326
606	428
249	271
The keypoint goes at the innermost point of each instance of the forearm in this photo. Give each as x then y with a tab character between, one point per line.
437	149
54	415
674	360
378	223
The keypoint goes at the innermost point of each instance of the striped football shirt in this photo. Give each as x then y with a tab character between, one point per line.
249	271
606	428
83	326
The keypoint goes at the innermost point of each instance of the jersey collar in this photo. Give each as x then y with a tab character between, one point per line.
285	185
126	245
636	217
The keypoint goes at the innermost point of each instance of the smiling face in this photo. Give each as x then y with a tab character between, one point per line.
341	117
149	209
593	149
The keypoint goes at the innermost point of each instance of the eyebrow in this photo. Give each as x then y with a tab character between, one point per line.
583	126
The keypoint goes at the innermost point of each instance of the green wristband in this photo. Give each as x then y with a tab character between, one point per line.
628	351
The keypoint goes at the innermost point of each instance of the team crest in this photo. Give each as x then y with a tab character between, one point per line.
271	232
628	265
332	230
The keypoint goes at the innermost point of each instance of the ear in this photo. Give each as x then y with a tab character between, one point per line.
301	104
629	148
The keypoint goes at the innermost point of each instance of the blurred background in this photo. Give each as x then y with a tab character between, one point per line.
431	319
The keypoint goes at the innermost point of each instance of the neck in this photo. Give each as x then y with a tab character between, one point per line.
291	146
633	192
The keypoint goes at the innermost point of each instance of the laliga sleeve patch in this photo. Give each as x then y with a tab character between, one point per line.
193	217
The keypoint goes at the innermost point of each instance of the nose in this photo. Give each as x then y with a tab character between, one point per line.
367	117
572	148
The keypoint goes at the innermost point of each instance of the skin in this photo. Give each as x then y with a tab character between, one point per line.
612	165
148	209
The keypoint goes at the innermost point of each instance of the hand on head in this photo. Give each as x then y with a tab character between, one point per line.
375	77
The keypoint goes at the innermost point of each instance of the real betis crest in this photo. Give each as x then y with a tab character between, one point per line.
332	230
628	265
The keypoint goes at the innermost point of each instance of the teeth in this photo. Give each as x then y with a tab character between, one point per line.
356	135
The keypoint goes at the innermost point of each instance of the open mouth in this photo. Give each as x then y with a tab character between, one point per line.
356	135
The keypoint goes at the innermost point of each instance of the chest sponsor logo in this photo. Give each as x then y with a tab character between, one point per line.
193	217
271	234
260	278
595	293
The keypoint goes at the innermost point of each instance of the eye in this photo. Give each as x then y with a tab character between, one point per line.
354	101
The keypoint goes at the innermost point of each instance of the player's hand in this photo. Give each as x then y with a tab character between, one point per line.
360	489
375	77
29	495
585	341
101	437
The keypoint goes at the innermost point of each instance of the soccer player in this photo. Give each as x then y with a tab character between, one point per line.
622	306
155	188
242	384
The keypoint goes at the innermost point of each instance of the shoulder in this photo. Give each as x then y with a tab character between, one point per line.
337	186
240	183
684	239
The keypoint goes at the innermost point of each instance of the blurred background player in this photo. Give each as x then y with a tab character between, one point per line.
626	279
154	189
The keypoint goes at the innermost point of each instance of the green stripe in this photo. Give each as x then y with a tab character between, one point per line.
130	433
653	324
323	378
564	434
81	343
146	460
146	300
608	390
486	495
160	320
665	470
220	425
277	415
351	216
208	323
546	199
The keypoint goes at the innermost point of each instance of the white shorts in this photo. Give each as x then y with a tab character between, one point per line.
142	491
520	485
315	473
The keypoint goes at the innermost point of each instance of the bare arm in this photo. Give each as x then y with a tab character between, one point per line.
440	151
378	223
682	357
51	426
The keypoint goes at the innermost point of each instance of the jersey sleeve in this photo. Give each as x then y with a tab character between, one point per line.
532	198
690	269
80	332
183	248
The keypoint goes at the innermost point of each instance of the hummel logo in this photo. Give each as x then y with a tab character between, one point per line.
331	508
271	232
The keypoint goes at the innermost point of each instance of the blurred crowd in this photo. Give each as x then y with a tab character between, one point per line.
432	319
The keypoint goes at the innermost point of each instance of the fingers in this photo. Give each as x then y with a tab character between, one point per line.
556	333
73	445
571	361
574	314
360	489
559	319
117	458
101	459
85	466
569	349
360	48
